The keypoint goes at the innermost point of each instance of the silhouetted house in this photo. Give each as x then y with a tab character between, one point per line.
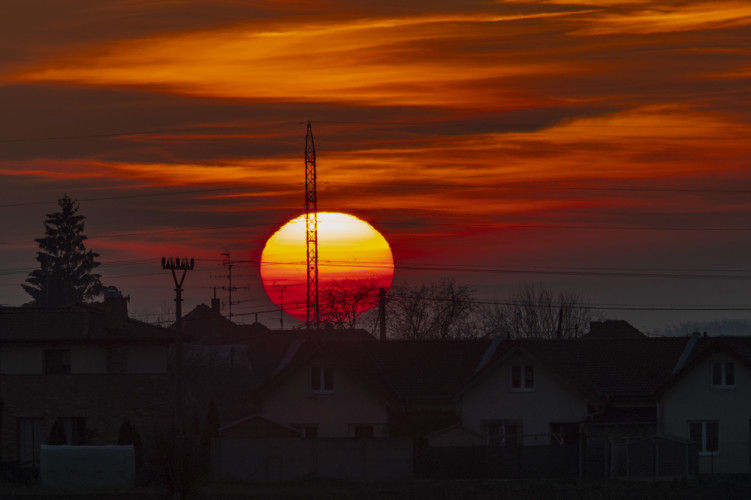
77	375
708	400
226	362
596	393
359	405
611	404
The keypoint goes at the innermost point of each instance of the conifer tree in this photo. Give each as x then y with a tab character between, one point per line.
65	275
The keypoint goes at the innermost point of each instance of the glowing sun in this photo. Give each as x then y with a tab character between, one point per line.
354	261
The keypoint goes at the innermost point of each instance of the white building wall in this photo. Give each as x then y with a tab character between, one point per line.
292	402
493	399
693	398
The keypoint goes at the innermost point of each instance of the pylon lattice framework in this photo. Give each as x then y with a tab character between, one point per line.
311	230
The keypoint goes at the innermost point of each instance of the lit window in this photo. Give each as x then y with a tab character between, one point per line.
723	374
706	434
322	379
522	378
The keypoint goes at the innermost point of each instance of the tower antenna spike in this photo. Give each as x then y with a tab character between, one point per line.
311	230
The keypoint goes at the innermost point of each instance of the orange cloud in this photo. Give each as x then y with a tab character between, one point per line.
390	61
662	18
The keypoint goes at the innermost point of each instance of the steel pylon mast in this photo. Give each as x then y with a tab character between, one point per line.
311	230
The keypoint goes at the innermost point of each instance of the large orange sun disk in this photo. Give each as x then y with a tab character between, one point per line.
350	251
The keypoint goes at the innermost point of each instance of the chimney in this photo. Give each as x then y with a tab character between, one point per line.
114	302
216	305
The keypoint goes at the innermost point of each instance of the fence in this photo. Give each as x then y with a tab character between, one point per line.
291	458
551	461
651	457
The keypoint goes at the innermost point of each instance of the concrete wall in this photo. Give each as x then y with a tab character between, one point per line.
693	398
291	459
493	399
293	403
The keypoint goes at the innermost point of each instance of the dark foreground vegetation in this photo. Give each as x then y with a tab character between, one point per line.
699	488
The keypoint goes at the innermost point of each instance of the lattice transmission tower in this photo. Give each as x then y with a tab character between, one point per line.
311	230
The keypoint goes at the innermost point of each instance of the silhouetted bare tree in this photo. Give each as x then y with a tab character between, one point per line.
536	311
437	310
343	301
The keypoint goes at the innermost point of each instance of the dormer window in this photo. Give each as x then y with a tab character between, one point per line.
723	375
522	378
322	379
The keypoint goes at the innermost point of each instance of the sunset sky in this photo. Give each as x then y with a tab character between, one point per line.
601	146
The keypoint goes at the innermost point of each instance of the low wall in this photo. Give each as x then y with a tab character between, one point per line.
290	459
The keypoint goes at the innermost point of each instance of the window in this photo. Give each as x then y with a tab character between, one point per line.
504	433
322	379
706	434
723	374
29	440
522	378
56	361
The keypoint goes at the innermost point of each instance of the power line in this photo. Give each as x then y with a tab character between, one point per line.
422	185
505	125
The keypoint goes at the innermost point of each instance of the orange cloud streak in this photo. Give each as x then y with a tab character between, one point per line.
394	61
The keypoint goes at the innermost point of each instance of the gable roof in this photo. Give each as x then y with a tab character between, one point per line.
738	347
406	371
612	329
257	426
602	369
77	324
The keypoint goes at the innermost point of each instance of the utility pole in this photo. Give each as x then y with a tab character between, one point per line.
280	290
174	265
311	230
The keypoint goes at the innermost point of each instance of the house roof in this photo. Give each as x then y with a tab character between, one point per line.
612	329
407	371
613	369
83	323
257	426
422	370
205	325
602	368
738	347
